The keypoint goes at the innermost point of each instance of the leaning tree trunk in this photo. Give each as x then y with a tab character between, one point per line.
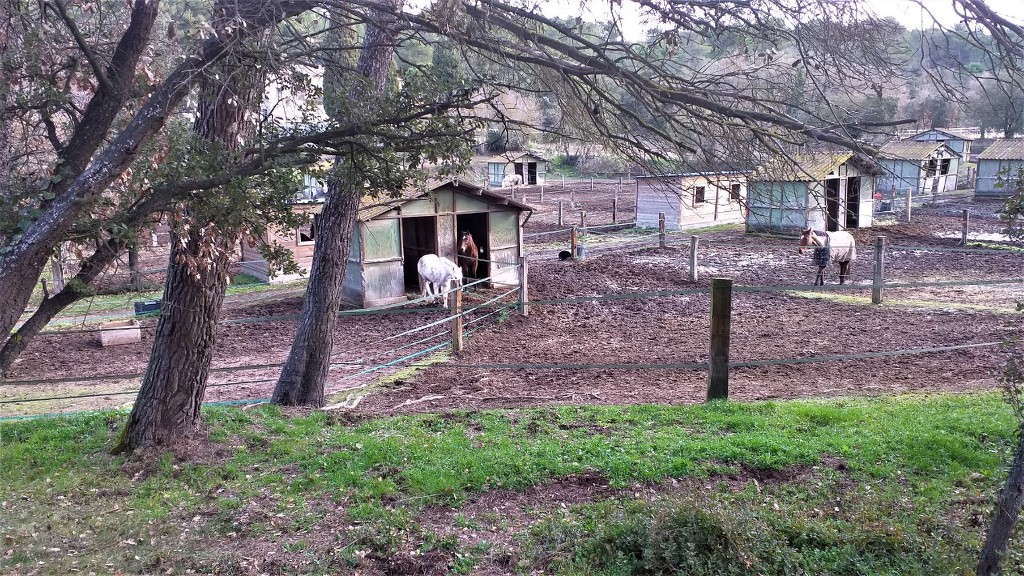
1005	515
304	374
167	407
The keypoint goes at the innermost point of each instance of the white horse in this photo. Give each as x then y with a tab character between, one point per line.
829	247
436	275
512	180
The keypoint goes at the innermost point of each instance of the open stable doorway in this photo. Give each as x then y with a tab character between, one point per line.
419	237
476	224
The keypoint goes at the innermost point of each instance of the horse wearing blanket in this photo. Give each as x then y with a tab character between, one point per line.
829	247
436	274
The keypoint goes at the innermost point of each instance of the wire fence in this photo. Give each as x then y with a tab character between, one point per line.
489	310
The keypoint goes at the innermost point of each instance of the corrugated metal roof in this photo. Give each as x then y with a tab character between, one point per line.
373	207
509	157
949	133
806	167
1008	149
911	149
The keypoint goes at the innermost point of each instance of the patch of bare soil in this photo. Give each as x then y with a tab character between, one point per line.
651	336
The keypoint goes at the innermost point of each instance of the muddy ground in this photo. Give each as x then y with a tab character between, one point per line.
616	351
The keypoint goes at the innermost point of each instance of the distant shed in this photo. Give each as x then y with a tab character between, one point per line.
821	190
532	167
925	167
959	143
392	235
691	200
1002	159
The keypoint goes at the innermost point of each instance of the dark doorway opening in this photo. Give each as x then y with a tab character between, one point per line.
832	204
477	225
419	237
853	202
531	173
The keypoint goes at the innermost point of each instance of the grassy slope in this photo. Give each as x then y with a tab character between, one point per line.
916	474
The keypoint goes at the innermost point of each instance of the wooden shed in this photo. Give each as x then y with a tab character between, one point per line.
392	235
691	200
532	167
1002	159
959	143
924	167
820	190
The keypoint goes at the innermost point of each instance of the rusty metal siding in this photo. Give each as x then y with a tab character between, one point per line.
355	251
421	207
465	204
446	241
505	266
993	172
352	286
504	229
382	240
777	206
383	281
445	201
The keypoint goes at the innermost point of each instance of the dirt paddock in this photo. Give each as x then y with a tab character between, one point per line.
573	353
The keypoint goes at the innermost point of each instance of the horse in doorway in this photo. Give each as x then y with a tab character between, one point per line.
438	276
828	247
469	254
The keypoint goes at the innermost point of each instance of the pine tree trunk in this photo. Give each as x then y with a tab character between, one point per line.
304	375
1005	515
167	407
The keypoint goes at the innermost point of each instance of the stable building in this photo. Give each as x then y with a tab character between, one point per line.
928	167
691	200
997	165
531	167
820	190
393	233
959	143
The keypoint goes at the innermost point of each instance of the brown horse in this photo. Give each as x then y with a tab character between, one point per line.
469	255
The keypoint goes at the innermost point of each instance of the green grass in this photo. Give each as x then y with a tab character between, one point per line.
326	493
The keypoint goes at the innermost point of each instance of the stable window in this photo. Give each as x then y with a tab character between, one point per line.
306	234
932	166
495	173
699	195
734	192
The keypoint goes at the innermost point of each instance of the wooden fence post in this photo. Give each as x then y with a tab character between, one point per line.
693	260
879	276
524	301
661	230
541	201
457	320
964	218
563	181
615	210
572	197
591	183
910	196
718	355
560	224
583	221
574	241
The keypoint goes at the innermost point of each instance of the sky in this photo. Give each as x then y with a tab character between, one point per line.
907	12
